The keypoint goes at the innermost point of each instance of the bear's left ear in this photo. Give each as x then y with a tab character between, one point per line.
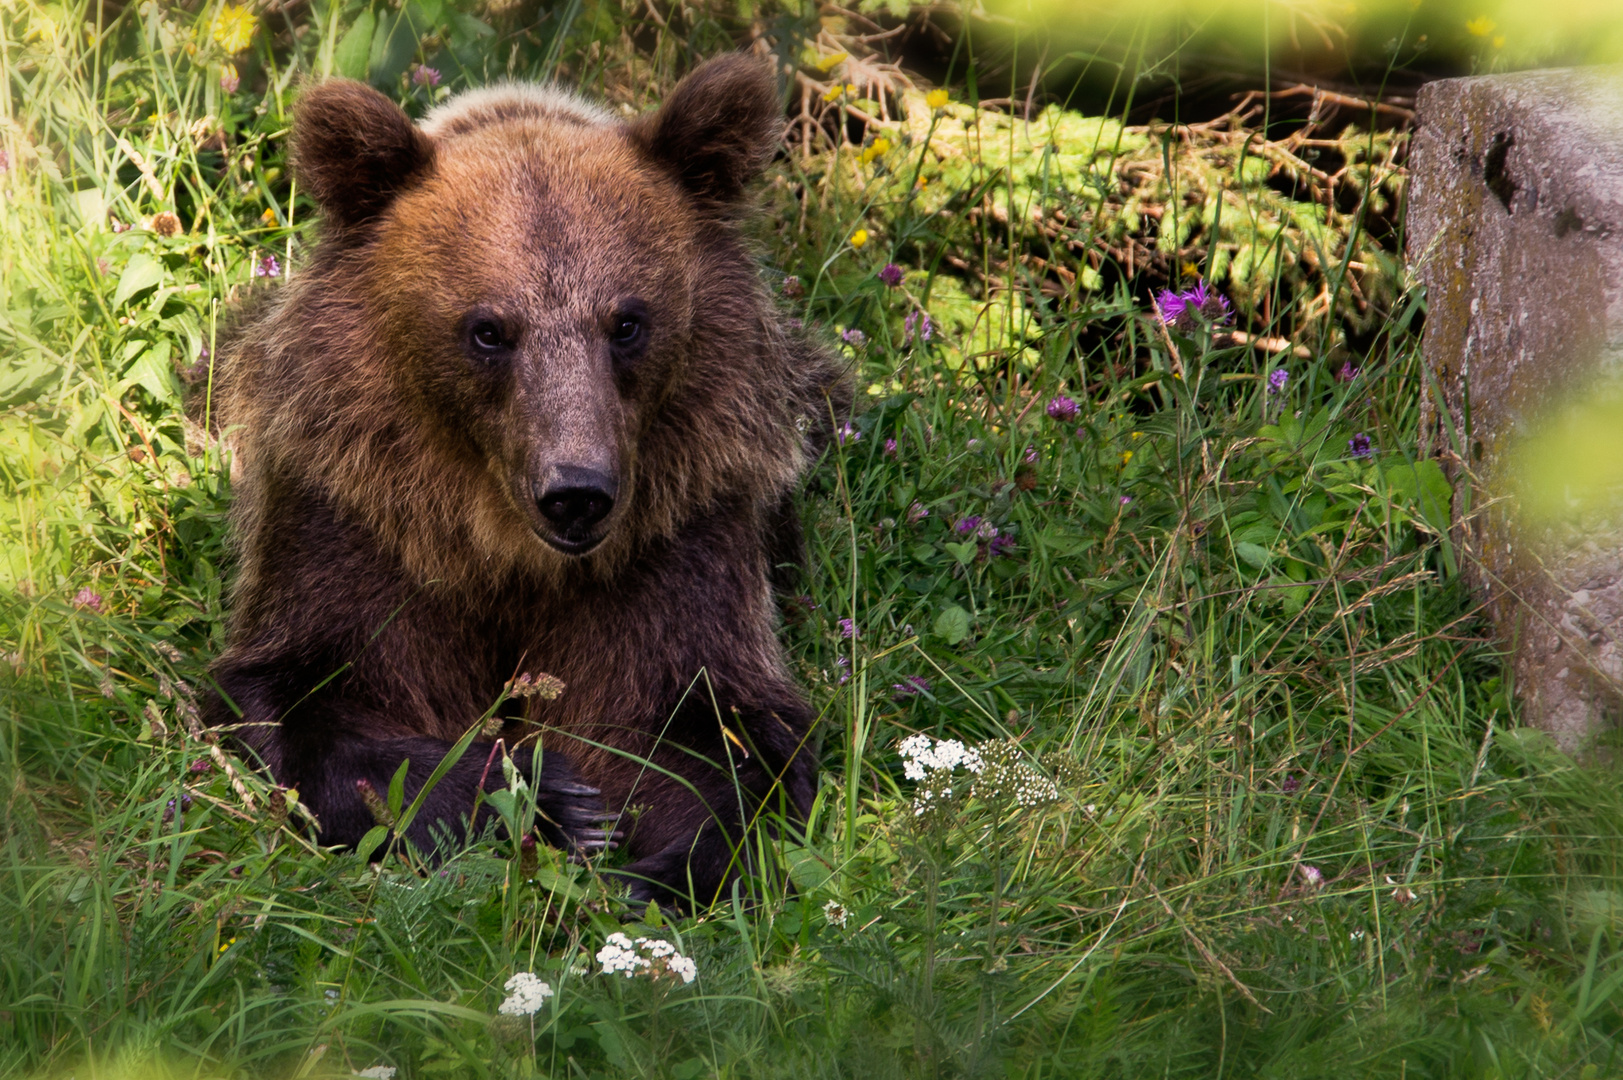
719	127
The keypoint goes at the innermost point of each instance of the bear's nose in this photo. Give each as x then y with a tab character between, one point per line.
577	498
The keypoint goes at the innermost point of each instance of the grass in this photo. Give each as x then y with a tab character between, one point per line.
1293	829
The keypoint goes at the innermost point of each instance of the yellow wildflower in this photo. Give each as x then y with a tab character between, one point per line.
1481	26
269	216
1126	456
234	28
1499	41
836	90
827	63
880	147
859	238
937	99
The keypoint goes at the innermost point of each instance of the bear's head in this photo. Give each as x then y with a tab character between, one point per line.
569	328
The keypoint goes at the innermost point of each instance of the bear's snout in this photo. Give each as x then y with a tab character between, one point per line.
574	501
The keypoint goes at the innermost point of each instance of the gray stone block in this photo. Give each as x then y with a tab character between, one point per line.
1515	227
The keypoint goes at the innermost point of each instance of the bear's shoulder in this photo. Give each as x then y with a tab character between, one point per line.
513	101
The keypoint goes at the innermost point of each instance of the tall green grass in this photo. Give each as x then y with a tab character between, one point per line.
1293	830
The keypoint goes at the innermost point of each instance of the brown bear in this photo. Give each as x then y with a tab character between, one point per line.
528	409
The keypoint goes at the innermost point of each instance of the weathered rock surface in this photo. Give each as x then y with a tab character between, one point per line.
1516	229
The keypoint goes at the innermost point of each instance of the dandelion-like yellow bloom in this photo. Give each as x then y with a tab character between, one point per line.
234	28
1481	26
859	238
269	216
1126	456
937	99
827	63
880	147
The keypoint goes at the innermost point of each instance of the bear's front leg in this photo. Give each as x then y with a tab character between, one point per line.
723	800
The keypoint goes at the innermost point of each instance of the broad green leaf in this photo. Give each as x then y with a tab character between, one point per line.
374	838
153	373
1253	555
952	625
964	552
142	272
355	47
397	789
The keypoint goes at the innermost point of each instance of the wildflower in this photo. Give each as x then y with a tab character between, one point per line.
423	75
1186	311
201	765
836	90
1126	456
1347	373
1062	408
5	161
835	913
234	28
528	994
848	628
1277	379
829	62
911	686
922	755
842	671
967	525
1290	785
937	99
917	513
229	79
859	238
972	444
374	802
88	599
810	604
620	954
890	447
1481	26
544	686
378	1072
1359	446
891	275
1314	876
986	531
1001	546
917	323
1031	457
1125	499
879	147
854	338
848	433
166	223
791	288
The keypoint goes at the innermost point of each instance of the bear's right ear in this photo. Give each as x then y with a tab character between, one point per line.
354	150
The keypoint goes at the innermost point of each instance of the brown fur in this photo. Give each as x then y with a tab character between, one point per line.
385	515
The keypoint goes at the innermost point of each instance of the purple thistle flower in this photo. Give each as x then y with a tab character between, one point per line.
1359	446
1001	546
848	628
848	433
891	275
912	685
1347	373
890	447
917	513
1277	379
1212	305
267	265
917	323
967	525
854	338
423	75
1186	311
88	599
1062	408
1170	307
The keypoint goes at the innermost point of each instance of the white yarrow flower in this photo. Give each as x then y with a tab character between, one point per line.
528	994
835	913
653	956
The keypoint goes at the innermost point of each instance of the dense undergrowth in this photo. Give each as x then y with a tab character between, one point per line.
1251	799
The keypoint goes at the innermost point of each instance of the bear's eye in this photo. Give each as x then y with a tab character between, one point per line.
486	337
627	329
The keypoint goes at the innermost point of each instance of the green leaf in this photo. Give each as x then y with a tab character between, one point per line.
964	552
1253	555
142	272
952	625
374	838
153	372
355	47
397	789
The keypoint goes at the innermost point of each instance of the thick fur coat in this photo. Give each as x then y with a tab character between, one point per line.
528	409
